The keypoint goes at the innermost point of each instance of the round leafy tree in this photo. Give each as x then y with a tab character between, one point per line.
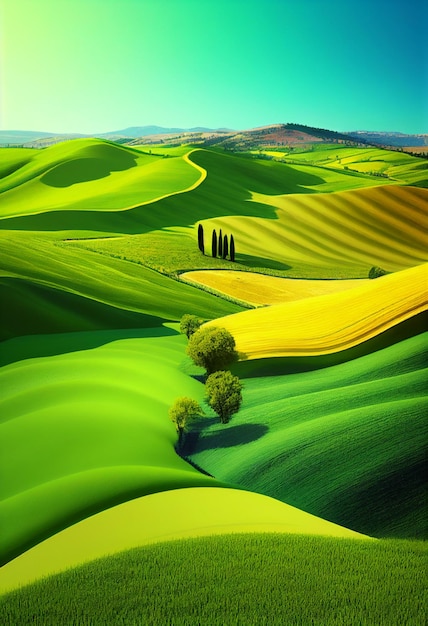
189	324
224	394
182	412
212	348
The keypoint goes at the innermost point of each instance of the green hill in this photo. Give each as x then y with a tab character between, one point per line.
89	174
346	442
248	579
72	289
85	430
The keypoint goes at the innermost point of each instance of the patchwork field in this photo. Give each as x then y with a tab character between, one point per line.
96	243
329	323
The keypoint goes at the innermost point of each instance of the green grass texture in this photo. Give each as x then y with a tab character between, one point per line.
396	166
346	443
234	580
86	430
89	174
53	288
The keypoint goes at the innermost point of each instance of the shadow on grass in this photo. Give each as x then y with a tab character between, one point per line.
257	261
227	436
84	170
34	346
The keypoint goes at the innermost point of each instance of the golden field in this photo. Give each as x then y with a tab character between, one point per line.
331	322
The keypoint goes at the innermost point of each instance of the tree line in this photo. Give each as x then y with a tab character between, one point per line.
222	246
214	349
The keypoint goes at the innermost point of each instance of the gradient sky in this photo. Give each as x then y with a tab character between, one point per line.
93	66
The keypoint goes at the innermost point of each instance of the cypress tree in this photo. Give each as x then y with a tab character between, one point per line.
214	244
225	247
232	248
201	238
220	244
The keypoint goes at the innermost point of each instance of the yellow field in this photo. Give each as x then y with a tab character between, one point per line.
330	323
163	516
383	226
258	289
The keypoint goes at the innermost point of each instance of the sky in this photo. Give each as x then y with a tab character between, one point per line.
93	66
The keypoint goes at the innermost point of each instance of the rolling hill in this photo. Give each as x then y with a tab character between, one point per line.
329	323
345	442
94	238
86	430
160	517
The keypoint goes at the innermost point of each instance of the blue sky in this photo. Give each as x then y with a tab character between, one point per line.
97	65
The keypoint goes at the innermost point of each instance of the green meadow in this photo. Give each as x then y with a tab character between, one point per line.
241	579
288	440
93	239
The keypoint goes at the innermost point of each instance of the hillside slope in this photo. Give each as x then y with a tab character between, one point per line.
159	517
346	442
86	430
329	323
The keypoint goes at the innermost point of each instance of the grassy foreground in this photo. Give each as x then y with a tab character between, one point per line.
236	580
159	517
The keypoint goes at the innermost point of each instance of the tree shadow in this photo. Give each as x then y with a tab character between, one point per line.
257	261
229	436
85	170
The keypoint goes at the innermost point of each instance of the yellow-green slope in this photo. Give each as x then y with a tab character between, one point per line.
383	226
329	323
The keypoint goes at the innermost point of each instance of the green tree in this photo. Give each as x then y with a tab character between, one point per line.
232	248
224	394
225	247
220	244
375	272
214	244
212	348
189	324
201	244
183	411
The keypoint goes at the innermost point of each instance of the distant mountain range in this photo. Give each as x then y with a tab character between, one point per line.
275	134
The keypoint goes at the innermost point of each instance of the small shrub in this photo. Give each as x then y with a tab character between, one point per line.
182	412
375	272
189	324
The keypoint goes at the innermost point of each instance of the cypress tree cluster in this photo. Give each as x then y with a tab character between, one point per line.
222	246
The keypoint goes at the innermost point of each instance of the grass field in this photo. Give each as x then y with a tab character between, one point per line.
260	579
329	323
159	517
393	165
94	238
91	174
345	442
72	289
284	221
100	420
258	289
353	230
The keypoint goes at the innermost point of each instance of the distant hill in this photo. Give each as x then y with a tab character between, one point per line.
274	135
390	138
144	131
